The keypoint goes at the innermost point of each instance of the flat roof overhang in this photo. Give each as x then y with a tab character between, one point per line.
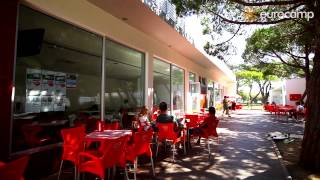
138	15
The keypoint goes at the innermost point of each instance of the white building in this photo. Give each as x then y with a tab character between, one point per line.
287	91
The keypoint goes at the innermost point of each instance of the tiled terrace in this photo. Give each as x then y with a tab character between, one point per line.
243	152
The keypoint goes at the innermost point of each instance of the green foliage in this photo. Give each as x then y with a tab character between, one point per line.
244	95
283	47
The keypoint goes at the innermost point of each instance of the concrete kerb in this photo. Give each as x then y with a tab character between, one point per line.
279	156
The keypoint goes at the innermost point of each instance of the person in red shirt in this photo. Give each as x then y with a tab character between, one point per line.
207	127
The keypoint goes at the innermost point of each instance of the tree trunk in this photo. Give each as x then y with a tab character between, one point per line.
250	96
310	156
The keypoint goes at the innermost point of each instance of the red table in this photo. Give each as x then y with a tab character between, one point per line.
286	110
107	134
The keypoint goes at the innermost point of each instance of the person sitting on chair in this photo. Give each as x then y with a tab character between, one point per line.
207	127
163	117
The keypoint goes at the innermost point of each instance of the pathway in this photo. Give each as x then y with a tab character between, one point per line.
243	153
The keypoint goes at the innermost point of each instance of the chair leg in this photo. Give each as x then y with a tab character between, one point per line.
184	147
173	152
209	148
165	146
126	173
135	166
157	149
60	169
75	172
109	173
114	169
152	165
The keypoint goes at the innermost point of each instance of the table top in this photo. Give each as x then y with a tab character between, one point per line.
108	134
286	109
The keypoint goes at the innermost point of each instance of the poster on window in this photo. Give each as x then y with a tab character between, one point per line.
47	85
60	91
33	82
33	104
59	103
47	103
33	90
71	80
60	84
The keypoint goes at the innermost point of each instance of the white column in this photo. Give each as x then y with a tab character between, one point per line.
186	90
148	98
103	80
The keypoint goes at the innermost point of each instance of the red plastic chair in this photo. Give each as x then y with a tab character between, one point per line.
72	145
111	126
140	146
14	170
273	109
166	133
193	120
211	132
113	154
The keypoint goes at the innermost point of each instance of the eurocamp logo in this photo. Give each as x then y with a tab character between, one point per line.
251	15
286	15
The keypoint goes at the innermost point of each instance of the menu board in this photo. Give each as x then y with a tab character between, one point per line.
60	92
33	90
71	80
46	90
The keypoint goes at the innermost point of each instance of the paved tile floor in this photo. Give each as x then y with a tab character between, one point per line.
243	151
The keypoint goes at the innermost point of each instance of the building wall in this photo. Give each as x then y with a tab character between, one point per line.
8	16
294	86
103	23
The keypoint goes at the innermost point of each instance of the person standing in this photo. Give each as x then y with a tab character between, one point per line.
225	106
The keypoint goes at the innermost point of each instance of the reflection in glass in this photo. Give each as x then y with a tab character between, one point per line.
177	83
57	80
124	82
161	82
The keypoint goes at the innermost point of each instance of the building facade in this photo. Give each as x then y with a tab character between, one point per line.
288	92
77	61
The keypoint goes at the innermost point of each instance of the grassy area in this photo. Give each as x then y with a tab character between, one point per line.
253	107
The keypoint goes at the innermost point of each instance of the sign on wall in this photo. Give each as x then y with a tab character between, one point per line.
46	90
295	97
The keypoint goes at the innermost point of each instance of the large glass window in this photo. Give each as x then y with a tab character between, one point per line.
168	85
210	94
161	82
57	79
177	85
124	82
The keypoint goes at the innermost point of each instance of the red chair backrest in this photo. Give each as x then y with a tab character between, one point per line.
140	145
166	131
141	142
72	142
14	170
114	151
212	130
111	126
194	120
